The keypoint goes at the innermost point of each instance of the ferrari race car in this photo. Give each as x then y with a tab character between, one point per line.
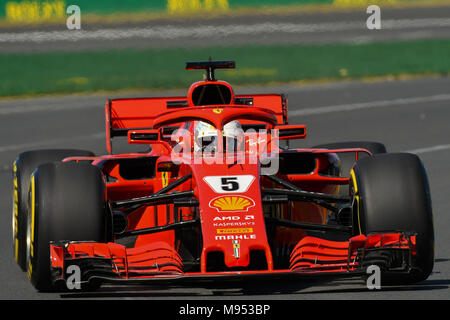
217	194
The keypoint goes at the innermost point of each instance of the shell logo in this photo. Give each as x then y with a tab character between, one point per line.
231	203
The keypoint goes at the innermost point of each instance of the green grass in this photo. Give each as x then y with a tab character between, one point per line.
73	72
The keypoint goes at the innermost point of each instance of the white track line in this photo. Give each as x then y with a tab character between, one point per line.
101	135
368	105
303	112
56	106
430	149
43	143
214	31
43	107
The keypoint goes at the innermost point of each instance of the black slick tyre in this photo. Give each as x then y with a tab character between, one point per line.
23	166
67	202
391	194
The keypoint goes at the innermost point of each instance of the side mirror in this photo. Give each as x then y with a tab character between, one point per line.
291	132
147	136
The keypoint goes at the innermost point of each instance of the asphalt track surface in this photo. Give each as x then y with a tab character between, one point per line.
410	116
288	28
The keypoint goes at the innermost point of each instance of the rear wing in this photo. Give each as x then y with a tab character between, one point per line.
122	115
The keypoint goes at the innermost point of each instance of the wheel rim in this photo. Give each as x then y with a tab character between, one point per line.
30	223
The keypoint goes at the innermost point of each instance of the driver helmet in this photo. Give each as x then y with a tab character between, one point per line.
205	137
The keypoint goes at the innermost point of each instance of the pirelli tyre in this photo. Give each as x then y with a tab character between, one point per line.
391	194
67	202
23	166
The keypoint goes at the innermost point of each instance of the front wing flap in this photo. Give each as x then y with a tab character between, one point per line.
158	261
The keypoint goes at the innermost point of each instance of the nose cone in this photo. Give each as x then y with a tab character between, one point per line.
231	214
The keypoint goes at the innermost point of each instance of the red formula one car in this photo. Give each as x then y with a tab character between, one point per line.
218	195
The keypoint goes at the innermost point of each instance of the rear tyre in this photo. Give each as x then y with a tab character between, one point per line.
391	194
23	166
67	202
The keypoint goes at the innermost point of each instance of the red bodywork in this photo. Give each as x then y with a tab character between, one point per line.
214	230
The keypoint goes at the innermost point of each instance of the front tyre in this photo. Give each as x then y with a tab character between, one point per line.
23	166
67	201
391	194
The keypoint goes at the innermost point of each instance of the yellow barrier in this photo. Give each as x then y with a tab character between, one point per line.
35	11
186	6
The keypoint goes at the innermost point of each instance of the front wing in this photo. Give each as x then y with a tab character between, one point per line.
159	262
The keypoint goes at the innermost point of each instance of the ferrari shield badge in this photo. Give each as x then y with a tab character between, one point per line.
236	248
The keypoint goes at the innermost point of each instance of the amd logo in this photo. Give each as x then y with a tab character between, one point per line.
234	218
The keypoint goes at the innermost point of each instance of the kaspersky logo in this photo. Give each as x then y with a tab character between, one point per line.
232	203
